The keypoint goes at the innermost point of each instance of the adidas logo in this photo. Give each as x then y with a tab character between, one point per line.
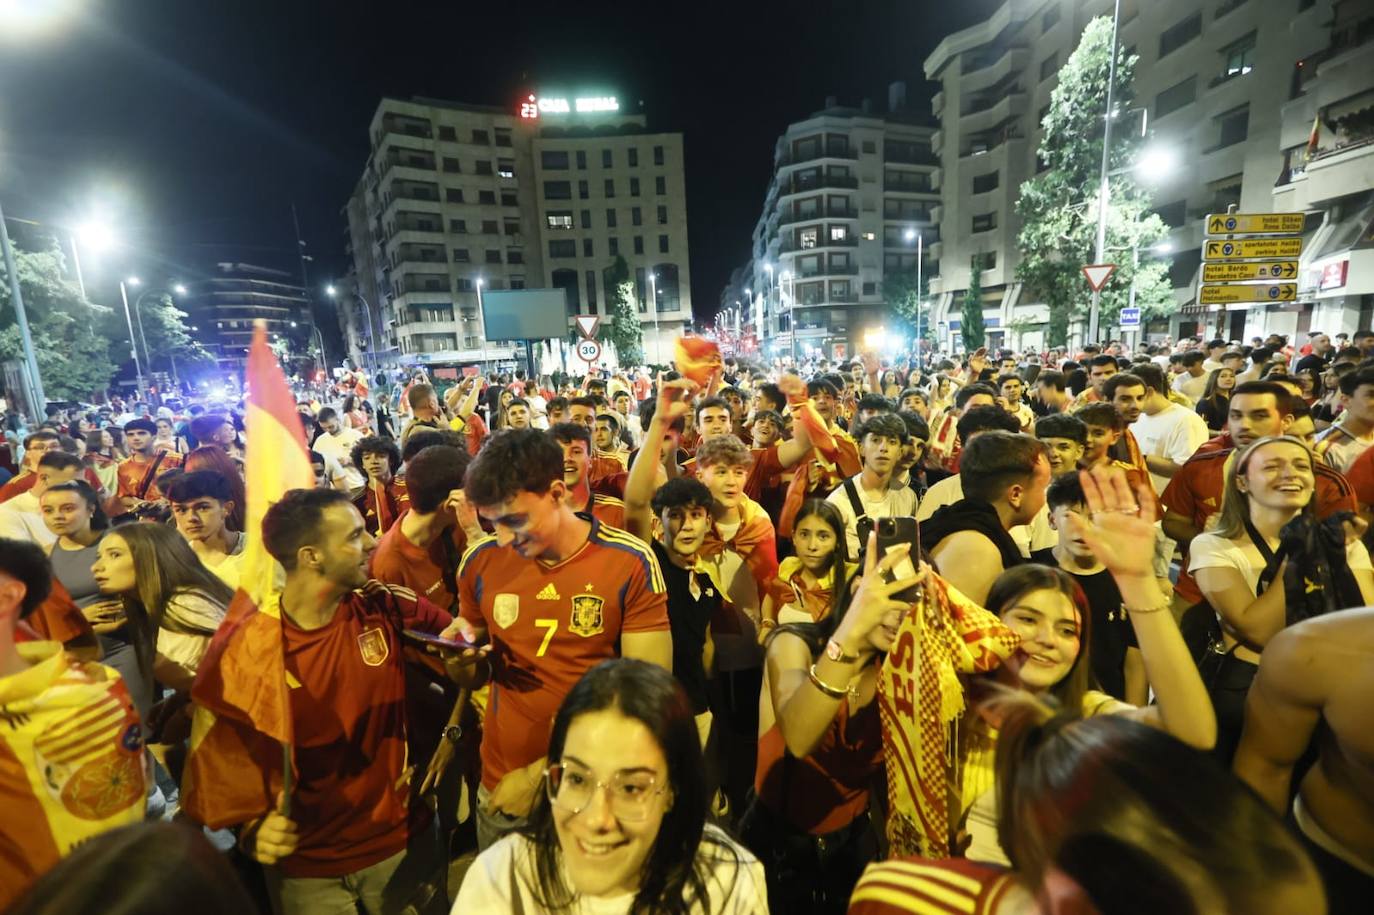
549	593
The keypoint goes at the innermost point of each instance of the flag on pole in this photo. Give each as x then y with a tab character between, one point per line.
240	757
1314	137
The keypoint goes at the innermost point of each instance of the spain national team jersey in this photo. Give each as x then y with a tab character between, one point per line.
71	761
548	626
609	510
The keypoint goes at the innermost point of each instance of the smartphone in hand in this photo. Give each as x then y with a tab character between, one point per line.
425	638
891	533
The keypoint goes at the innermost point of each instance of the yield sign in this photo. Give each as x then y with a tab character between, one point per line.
587	325
1097	275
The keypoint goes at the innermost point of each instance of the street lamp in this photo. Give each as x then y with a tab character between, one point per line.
332	291
1101	248
133	345
653	302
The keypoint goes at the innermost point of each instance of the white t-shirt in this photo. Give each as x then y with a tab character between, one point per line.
1213	551
889	503
502	881
1339	448
21	518
340	448
1173	433
1189	386
1033	537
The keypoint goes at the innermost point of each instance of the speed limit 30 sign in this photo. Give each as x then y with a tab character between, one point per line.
588	350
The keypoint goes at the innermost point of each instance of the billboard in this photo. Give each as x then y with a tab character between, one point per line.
525	314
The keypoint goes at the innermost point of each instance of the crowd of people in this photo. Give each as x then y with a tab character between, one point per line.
1037	632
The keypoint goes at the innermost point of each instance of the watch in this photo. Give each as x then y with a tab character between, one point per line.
453	733
835	652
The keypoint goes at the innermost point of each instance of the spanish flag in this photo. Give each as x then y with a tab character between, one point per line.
241	735
1314	138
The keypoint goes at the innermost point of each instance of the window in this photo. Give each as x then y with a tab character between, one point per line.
515	256
484	167
1176	97
1172	214
453	194
554	159
566	280
636	216
582	190
634	187
610	219
662	215
451	165
448	133
1048	20
458	226
870	147
560	219
610	187
1049	66
489	227
508	199
561	248
463	283
591	290
984	261
614	244
582	159
605	158
460	256
984	183
660	185
870	288
503	136
658	155
517	282
511	227
586	219
1239	58
663	244
481	137
487	198
1176	36
558	190
634	157
838	233
493	257
869	236
1228	5
1233	126
505	168
639	244
587	249
806	238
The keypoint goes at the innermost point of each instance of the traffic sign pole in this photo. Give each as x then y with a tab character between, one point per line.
1237	269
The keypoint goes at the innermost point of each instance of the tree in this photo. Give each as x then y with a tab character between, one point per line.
169	343
903	299
971	316
1059	226
73	355
625	333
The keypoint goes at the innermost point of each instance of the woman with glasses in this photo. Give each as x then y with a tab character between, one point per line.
621	824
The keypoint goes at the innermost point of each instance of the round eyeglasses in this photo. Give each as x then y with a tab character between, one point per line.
571	787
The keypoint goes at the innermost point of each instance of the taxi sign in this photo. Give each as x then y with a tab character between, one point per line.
1253	223
1251	247
1260	292
1129	316
1249	270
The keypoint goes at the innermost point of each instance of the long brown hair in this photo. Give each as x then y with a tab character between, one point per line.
1139	819
164	565
1235	505
1018	581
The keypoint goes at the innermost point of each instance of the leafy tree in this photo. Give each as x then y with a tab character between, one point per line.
73	355
971	327
1059	226
169	343
903	297
625	332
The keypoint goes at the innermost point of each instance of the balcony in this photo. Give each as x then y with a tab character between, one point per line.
822	271
789	159
1011	105
789	217
919	157
913	184
1329	175
992	143
937	103
798	185
994	67
849	241
403	126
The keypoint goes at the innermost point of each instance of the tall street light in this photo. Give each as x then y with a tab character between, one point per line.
332	291
1100	251
38	401
653	303
920	252
133	344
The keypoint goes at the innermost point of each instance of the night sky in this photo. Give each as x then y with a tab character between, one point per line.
194	125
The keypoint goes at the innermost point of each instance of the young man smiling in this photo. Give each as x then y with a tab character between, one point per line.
576	443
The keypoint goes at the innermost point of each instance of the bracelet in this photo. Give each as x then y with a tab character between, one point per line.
1142	611
824	687
767	623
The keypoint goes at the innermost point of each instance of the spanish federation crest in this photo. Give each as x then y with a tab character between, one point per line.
505	609
587	619
373	646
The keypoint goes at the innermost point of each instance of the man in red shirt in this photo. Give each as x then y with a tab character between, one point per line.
576	443
146	462
555	594
36	445
1194	494
357	837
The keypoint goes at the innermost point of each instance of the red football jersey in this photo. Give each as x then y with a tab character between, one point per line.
548	626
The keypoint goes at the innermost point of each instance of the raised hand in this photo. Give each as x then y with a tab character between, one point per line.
791	385
674	398
874	603
1119	525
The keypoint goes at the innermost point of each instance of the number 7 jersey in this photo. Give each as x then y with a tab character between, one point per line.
548	626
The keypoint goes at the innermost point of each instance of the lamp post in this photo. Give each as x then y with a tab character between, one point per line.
653	303
133	342
1101	248
332	291
38	400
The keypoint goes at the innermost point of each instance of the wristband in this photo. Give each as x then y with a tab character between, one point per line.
824	687
1142	611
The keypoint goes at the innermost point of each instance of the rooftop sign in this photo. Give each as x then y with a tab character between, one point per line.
536	106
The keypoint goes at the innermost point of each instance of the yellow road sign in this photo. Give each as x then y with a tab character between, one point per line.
1251	247
1249	270
1252	223
1255	292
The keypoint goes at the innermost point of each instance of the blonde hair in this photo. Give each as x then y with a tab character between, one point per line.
1235	505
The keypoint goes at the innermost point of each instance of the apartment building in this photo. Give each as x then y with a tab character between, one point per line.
1209	80
851	189
228	302
457	199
